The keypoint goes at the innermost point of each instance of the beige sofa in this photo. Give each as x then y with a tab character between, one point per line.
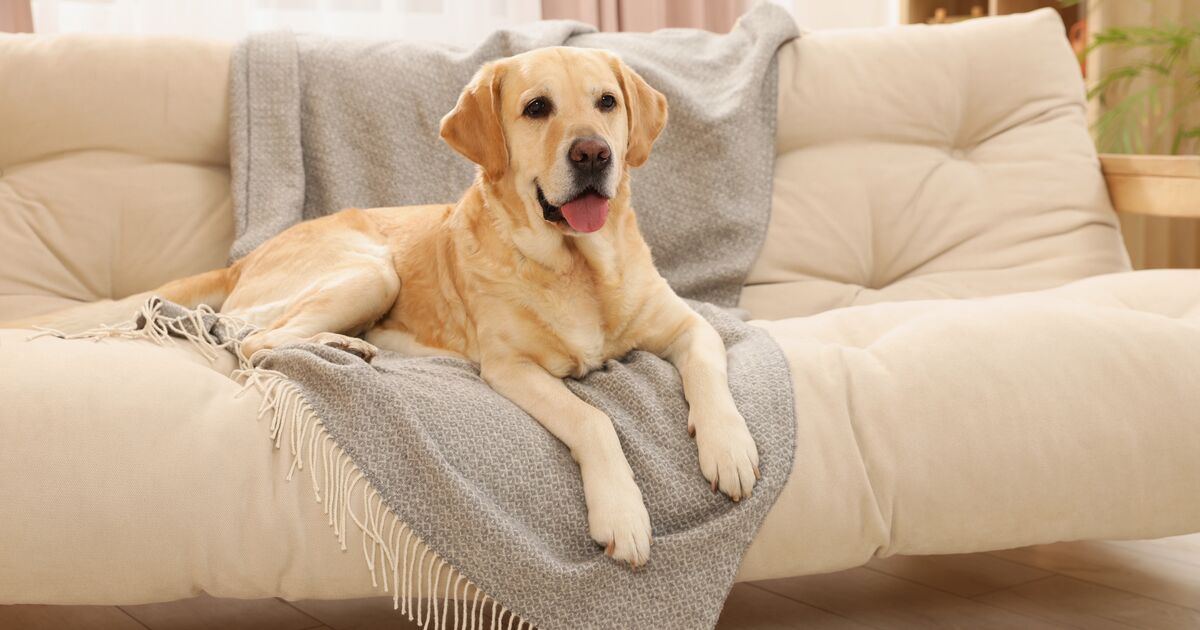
916	167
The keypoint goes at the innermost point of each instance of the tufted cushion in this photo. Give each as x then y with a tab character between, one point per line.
113	166
914	162
923	162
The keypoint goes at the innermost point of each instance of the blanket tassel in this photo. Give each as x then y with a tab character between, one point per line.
388	544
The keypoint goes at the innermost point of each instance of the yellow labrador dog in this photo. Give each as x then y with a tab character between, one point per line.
537	273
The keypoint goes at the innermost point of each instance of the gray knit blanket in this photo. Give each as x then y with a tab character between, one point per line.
456	467
320	124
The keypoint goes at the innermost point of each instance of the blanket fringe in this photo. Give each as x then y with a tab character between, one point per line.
159	329
389	546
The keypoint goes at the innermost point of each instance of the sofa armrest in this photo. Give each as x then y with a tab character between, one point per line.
1159	185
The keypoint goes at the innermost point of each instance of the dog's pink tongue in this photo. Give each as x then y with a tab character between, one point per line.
587	213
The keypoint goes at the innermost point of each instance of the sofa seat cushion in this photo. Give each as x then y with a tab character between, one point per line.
959	426
928	162
939	426
133	473
114	176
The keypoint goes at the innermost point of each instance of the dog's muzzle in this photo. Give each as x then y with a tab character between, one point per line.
586	209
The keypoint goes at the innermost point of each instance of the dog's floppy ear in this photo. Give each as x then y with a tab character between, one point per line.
646	109
473	127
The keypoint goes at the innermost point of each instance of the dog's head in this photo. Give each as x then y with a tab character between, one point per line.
557	129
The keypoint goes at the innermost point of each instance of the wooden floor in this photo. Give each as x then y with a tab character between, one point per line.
1092	585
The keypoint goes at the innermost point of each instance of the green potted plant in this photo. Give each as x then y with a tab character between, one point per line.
1150	100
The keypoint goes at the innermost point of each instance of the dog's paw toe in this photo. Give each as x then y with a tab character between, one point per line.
729	460
624	532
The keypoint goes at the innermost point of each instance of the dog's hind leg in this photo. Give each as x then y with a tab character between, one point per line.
332	309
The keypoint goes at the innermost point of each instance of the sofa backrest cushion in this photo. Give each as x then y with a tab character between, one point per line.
931	161
113	166
913	162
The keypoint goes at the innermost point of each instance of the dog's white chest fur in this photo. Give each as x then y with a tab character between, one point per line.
574	318
585	342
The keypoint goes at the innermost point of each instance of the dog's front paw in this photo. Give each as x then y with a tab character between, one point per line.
618	521
728	456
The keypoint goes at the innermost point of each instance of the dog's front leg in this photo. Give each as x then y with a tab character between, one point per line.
617	518
727	452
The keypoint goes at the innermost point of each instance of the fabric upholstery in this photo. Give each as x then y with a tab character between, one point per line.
956	426
935	426
926	162
133	474
114	175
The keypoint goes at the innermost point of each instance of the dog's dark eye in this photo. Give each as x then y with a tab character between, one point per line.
607	102
538	108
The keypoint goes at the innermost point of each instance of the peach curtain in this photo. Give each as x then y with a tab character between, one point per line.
15	16
1153	242
648	15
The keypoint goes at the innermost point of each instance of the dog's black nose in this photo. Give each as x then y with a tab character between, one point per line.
590	154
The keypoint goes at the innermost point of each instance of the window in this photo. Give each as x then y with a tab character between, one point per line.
462	22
